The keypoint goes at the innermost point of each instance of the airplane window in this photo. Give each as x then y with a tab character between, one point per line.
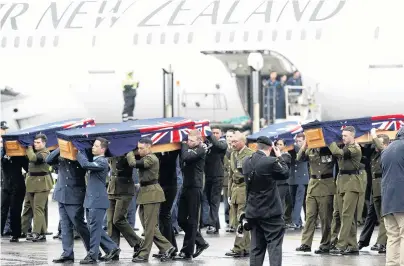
149	38
135	39
289	35
176	37
274	35
318	34
56	41
190	37
377	30
246	33
4	42
260	36
16	42
217	38
29	41
303	35
162	38
231	38
43	41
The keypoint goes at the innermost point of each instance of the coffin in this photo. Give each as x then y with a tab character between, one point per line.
283	130
16	142
166	134
320	134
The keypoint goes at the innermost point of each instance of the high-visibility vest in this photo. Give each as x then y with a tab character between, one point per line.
130	81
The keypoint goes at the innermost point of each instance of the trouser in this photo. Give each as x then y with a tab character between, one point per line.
35	202
318	206
132	212
188	213
395	239
165	222
298	195
5	209
72	216
129	106
12	205
213	187
174	209
241	244
117	222
226	204
284	194
372	217
267	234
347	203
204	215
98	237
28	214
148	214
336	222
361	201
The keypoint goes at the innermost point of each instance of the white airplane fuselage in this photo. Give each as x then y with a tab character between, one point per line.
350	51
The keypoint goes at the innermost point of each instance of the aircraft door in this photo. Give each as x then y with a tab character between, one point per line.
168	90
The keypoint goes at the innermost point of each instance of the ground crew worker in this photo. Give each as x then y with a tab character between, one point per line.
263	208
38	185
349	186
228	216
237	192
129	86
320	193
149	199
69	193
381	142
121	190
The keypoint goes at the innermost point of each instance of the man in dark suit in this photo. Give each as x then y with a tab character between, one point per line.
96	201
263	207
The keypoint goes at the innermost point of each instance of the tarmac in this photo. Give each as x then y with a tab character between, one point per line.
29	253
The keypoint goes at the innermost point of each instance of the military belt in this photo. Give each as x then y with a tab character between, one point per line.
378	175
325	176
148	183
239	181
38	173
349	172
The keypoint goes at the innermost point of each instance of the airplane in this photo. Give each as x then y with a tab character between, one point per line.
69	57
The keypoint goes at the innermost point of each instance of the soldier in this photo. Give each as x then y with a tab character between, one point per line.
96	202
214	172
381	142
228	216
12	189
69	193
129	87
121	190
149	199
193	162
237	192
349	186
320	193
38	185
263	209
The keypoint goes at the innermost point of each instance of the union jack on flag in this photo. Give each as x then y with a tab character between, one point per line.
388	122
203	126
80	124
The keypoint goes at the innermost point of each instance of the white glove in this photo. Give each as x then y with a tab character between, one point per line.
205	147
373	133
229	200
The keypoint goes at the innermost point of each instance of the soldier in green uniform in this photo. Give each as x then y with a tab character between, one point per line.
226	163
319	200
381	142
149	198
38	185
349	186
361	201
237	192
121	190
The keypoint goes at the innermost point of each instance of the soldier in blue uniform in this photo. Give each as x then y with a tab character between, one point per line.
96	202
69	193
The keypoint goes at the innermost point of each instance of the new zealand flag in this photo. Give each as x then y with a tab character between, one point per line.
284	130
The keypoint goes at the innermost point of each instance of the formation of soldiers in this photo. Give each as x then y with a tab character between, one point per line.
81	192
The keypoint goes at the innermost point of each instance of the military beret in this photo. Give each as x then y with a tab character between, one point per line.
264	140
